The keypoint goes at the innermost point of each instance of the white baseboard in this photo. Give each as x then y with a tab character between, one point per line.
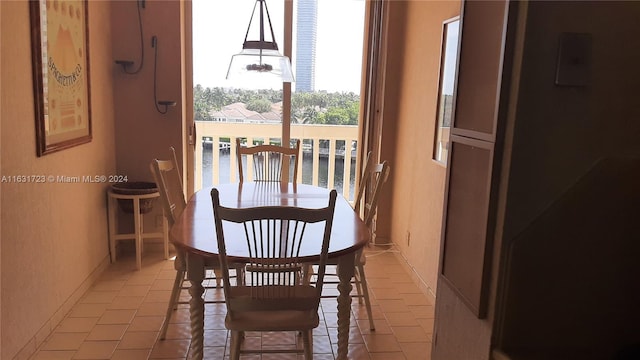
39	338
428	291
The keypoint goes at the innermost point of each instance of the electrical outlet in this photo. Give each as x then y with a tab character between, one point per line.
408	238
159	221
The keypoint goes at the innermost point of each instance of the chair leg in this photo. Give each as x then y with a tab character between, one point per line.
240	280
175	295
218	274
165	236
137	224
236	339
307	272
307	341
112	226
365	292
358	282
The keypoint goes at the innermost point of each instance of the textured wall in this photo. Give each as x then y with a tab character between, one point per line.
413	199
142	133
54	236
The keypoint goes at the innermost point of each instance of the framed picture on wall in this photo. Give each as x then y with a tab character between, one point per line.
59	37
446	87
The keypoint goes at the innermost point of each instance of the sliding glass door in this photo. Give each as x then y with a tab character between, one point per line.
321	108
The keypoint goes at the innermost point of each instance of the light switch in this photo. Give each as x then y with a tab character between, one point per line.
574	59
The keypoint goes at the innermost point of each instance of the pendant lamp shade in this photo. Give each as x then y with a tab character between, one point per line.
260	58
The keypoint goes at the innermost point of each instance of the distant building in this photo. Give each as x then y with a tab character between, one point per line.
307	24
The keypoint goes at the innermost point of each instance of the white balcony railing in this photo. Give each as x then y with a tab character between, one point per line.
310	137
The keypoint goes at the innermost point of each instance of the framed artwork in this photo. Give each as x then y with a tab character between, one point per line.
59	37
446	88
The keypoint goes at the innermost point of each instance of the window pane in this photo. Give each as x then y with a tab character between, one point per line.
219	29
447	85
327	57
334	63
327	49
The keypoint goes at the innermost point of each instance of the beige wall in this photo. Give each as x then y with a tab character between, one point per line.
413	201
54	236
142	133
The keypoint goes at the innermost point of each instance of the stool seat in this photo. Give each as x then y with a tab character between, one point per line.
138	222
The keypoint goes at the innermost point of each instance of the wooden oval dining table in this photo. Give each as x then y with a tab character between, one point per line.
194	232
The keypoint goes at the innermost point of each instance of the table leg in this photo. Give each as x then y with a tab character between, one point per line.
346	267
195	274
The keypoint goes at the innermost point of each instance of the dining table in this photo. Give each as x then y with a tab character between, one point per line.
194	233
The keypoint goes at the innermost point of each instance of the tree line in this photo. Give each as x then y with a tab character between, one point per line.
319	107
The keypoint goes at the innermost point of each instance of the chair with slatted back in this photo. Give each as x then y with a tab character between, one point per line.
369	189
273	297
267	161
167	176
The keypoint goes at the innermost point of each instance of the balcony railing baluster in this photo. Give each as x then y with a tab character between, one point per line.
270	132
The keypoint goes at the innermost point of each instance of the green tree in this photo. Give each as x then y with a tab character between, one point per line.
259	105
318	107
201	104
309	116
353	110
336	116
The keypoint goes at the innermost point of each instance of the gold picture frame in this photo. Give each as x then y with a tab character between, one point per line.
60	43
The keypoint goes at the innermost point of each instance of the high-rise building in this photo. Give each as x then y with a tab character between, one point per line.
307	23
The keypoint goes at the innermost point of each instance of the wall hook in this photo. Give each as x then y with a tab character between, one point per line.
128	63
164	103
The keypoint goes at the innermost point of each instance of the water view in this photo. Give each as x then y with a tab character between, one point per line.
307	170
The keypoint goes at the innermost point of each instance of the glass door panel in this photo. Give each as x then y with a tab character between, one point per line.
325	99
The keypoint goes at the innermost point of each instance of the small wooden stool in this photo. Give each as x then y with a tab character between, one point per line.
138	235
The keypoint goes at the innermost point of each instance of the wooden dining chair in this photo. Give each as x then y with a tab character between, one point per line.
273	297
267	161
169	181
369	189
374	176
370	186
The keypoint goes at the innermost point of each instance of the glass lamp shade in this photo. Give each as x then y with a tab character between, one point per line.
260	62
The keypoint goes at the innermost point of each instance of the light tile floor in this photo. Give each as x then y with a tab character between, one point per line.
119	318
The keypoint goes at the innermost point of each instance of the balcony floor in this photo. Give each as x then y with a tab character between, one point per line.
121	315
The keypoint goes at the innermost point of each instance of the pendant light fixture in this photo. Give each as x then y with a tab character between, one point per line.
260	57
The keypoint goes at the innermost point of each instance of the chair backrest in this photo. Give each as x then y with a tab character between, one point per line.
267	161
277	239
167	176
369	187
